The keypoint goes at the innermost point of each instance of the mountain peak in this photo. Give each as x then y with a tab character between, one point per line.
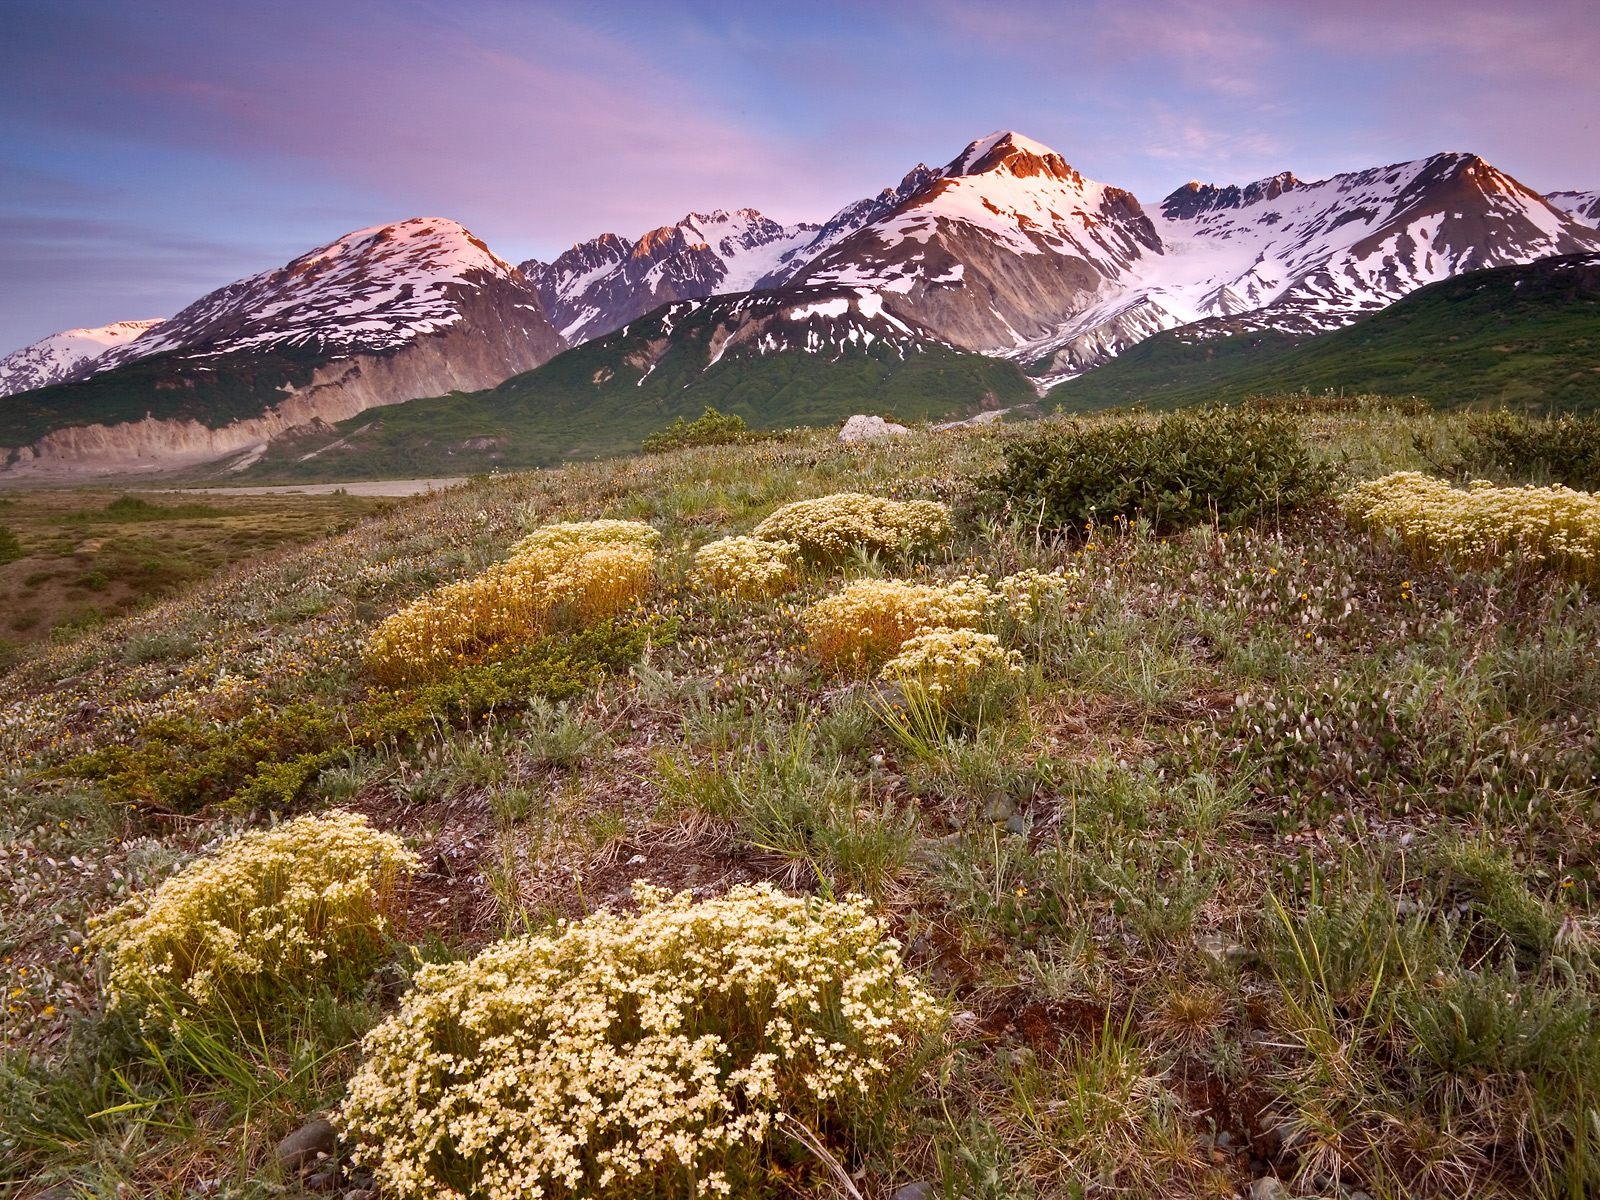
1195	198
1008	152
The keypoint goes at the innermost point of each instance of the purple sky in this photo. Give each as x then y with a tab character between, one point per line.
152	151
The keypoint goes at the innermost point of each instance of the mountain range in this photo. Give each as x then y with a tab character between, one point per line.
1005	252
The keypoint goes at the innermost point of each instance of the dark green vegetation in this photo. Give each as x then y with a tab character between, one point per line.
710	428
1508	448
1525	336
1210	466
1284	861
79	557
605	397
167	387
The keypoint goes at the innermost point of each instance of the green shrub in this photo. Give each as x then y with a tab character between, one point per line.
1516	449
1231	466
711	428
10	546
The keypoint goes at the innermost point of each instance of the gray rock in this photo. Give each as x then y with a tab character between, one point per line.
1268	1188
983	418
913	1191
1016	823
322	1181
361	1194
862	428
316	1139
1000	809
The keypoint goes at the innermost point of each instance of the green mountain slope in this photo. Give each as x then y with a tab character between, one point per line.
1521	336
748	355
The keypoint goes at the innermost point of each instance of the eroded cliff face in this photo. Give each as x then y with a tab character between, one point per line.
492	342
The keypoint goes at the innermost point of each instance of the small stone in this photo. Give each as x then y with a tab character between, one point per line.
861	428
912	1191
314	1140
322	1181
1017	824
361	1194
1268	1188
1000	809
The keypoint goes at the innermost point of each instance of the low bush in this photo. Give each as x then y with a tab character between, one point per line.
270	913
746	566
1230	466
860	627
576	536
1544	525
710	428
831	528
643	1055
1504	445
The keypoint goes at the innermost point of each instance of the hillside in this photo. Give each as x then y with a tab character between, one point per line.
1266	856
776	359
1522	336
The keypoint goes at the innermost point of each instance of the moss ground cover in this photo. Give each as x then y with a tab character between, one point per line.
1281	860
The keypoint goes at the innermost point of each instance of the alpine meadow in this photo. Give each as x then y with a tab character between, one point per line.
1023	688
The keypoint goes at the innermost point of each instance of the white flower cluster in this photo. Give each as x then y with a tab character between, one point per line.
751	567
951	661
832	527
1554	525
270	911
633	1055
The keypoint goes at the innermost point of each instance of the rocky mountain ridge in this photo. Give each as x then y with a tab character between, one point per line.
65	355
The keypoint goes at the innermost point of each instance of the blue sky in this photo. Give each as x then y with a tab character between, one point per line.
152	151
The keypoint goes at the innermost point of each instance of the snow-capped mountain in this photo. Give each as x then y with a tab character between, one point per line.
64	355
601	285
1580	206
373	291
998	249
1008	250
380	316
1305	257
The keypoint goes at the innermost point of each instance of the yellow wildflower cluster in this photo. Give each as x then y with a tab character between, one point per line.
950	662
268	912
570	534
746	566
1545	524
633	1055
831	527
866	622
586	571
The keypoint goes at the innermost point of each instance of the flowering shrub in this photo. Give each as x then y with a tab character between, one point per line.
746	566
269	912
586	534
1554	525
584	571
831	527
949	663
1029	592
868	621
633	1055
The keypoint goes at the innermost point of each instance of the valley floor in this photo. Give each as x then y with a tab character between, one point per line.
1285	864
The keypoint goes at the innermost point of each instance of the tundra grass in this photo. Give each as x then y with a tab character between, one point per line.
1282	861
